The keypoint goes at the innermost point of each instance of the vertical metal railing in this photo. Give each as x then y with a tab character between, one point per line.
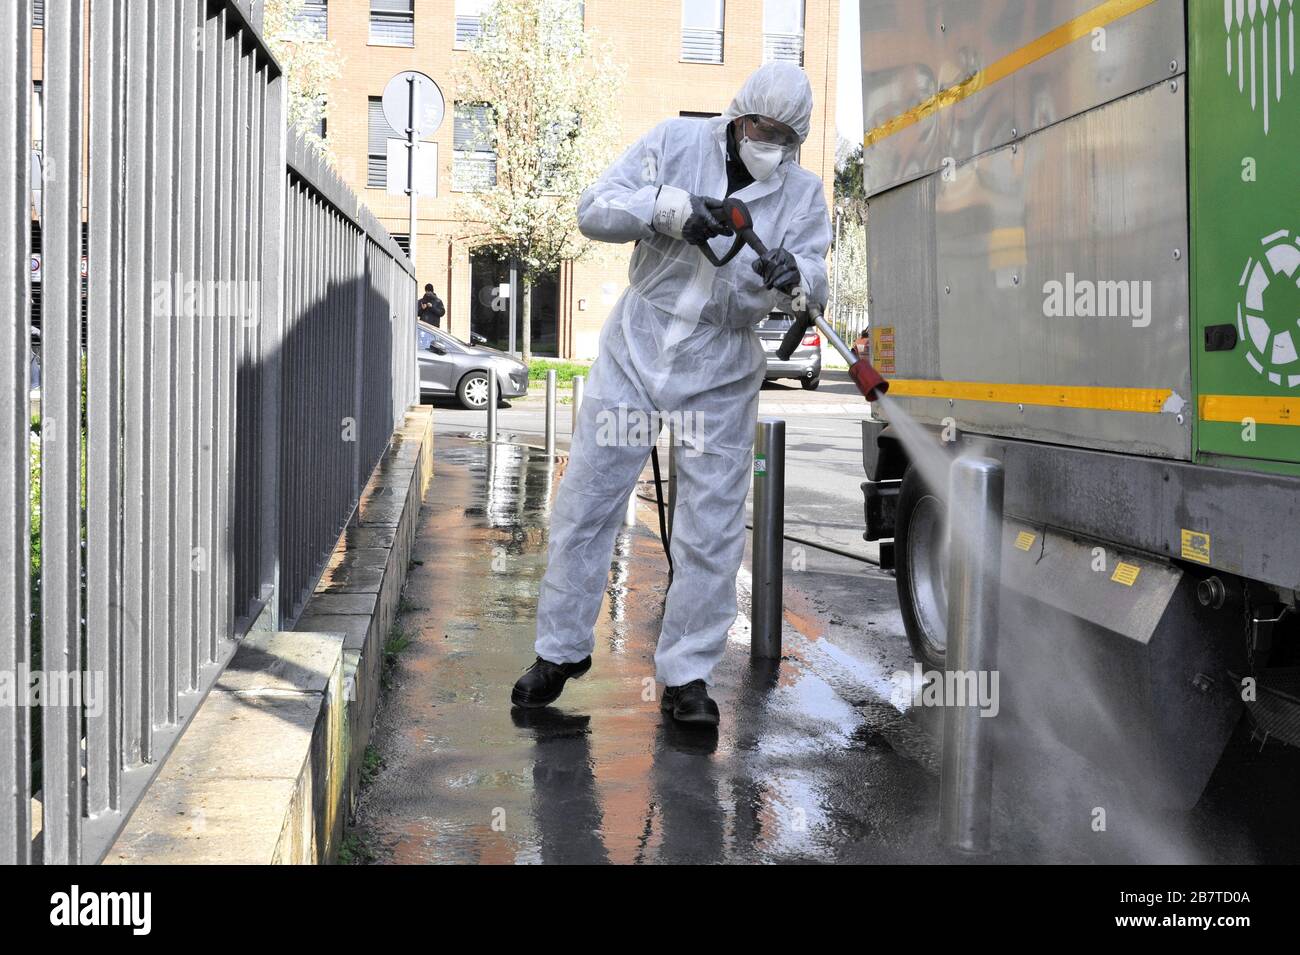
248	351
60	529
15	453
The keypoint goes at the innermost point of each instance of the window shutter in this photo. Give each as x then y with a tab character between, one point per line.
377	149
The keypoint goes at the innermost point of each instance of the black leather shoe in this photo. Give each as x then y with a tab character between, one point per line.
690	704
543	682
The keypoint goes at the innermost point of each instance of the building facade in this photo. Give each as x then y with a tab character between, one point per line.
682	57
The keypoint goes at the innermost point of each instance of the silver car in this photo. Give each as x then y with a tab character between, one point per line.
448	366
805	362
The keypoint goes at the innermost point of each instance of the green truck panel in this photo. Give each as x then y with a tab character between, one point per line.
1244	155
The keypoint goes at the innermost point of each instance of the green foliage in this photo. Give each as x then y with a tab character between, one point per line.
371	764
565	371
354	850
850	260
850	186
34	460
398	640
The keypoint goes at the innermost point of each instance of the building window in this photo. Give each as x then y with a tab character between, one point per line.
783	31
392	22
403	240
702	31
320	128
469	21
377	150
38	14
314	17
474	157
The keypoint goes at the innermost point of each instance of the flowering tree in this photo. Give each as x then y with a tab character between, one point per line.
850	260
551	95
310	63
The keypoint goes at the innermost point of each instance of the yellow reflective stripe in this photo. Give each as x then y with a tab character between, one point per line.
1148	400
1262	409
1050	42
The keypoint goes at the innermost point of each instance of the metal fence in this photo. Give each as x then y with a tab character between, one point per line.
249	350
847	320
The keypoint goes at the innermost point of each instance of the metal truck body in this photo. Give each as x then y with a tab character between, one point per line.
1084	252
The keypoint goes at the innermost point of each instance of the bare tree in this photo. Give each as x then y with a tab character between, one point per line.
549	93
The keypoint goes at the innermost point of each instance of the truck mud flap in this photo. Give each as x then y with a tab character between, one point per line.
1112	656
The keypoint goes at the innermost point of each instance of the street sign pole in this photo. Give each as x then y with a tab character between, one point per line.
414	102
413	137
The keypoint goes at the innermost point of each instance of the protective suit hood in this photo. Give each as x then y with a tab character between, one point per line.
779	91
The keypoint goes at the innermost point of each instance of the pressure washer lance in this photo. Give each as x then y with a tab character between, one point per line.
868	380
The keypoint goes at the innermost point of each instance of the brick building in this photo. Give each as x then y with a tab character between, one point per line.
682	57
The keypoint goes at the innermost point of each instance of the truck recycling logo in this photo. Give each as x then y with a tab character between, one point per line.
1257	51
1268	309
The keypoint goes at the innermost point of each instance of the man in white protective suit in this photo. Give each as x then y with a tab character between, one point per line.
680	346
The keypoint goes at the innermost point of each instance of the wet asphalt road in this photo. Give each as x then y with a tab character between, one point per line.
816	759
823	451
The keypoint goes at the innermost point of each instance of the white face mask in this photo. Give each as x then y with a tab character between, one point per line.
761	159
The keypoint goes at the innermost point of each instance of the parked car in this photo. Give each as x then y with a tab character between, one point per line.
805	362
449	366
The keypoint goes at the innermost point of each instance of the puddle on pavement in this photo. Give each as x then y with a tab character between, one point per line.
813	762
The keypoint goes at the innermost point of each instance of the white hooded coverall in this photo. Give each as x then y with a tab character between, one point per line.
679	342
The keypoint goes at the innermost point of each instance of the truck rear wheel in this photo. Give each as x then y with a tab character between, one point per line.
921	554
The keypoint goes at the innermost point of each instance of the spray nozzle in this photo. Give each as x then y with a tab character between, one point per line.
869	381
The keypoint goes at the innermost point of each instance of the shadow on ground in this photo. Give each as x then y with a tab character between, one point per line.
813	762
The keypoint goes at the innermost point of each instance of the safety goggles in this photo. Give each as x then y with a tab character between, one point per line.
766	130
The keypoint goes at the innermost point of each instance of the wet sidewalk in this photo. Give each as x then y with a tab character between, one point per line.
813	761
805	767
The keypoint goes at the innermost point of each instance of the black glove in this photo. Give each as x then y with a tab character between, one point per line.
705	221
778	269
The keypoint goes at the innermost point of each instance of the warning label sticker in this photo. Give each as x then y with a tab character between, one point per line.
882	349
1025	540
1196	546
1126	574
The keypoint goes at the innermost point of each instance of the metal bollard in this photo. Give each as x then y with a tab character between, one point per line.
974	577
550	413
769	537
492	407
579	381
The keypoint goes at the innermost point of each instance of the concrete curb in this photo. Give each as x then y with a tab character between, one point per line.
267	770
256	778
359	592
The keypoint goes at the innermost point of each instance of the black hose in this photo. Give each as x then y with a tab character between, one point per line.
659	498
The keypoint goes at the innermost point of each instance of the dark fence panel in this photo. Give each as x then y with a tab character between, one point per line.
248	349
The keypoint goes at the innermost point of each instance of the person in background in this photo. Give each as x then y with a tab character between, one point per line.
430	308
862	347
